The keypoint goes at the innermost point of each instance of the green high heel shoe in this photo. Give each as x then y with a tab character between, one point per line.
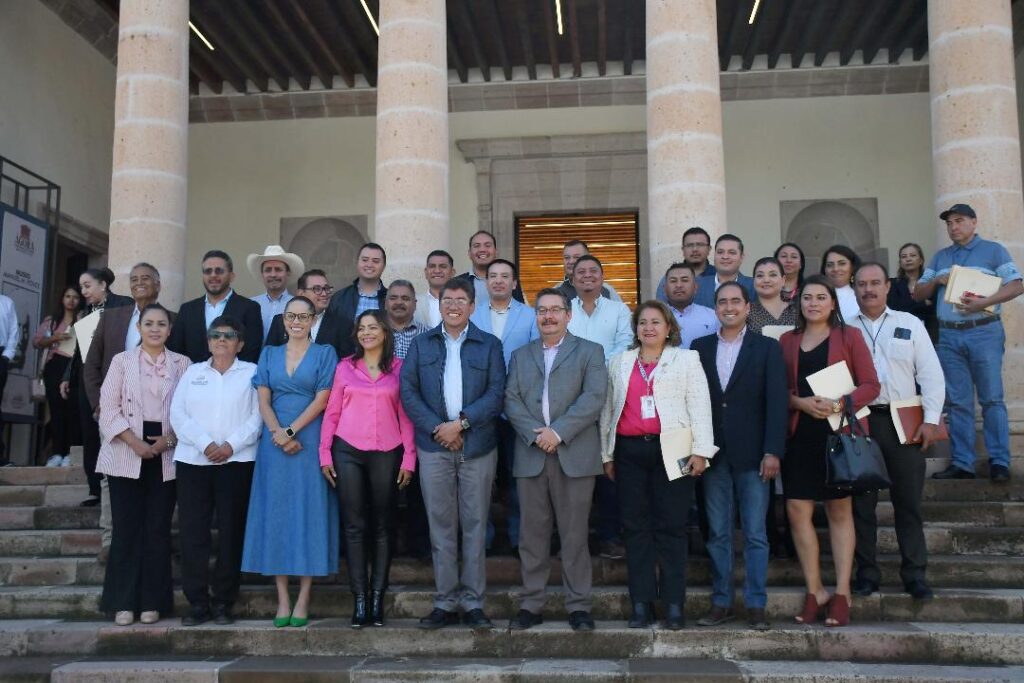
298	621
281	622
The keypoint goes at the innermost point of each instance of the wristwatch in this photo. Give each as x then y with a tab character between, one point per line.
463	421
290	433
171	440
837	406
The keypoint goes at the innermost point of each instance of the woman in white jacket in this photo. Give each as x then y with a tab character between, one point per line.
654	389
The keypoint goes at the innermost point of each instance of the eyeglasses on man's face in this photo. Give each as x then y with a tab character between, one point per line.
217	335
321	289
301	317
215	271
553	310
460	302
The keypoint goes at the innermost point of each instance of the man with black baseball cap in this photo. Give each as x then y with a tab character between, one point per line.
971	342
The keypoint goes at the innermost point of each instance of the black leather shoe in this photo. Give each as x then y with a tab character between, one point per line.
953	472
476	618
198	615
222	615
999	473
863	587
581	621
674	619
524	619
717	616
439	618
642	615
359	619
756	619
377	608
919	590
89	502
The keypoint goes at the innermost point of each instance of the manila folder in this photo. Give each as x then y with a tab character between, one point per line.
84	329
676	447
833	383
963	280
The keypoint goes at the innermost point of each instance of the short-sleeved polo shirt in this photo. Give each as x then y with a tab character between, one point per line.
987	256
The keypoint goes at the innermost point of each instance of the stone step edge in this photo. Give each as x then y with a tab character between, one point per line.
521	669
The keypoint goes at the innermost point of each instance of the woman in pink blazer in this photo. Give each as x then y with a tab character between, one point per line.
137	457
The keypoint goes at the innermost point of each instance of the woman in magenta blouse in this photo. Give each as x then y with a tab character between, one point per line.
367	451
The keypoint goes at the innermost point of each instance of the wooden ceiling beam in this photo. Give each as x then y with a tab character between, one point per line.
204	72
602	37
252	48
843	19
469	29
574	39
526	39
287	31
455	60
787	27
349	44
223	42
217	70
325	48
868	23
906	39
726	47
494	20
889	28
756	34
626	19
552	31
284	65
366	41
812	29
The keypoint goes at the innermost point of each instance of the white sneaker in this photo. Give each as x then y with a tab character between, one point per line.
55	461
65	461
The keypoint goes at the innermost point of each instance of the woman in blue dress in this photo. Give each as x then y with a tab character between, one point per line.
292	528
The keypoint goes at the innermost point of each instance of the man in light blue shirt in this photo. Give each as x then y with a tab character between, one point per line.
277	269
971	343
595	317
695	321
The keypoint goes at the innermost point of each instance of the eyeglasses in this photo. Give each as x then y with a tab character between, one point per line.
555	310
215	271
461	302
321	289
301	317
215	335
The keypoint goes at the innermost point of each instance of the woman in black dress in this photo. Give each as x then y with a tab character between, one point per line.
819	341
901	293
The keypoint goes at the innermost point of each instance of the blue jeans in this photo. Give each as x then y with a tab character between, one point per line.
974	359
726	489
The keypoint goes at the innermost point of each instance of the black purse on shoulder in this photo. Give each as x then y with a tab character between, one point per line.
853	461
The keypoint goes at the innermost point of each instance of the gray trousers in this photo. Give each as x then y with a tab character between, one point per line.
553	497
457	493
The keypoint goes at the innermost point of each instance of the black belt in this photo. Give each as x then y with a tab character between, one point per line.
879	407
641	437
968	324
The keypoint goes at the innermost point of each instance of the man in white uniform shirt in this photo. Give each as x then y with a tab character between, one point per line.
904	359
9	336
215	414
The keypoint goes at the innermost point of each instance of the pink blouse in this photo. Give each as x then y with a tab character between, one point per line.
631	423
156	383
367	413
42	333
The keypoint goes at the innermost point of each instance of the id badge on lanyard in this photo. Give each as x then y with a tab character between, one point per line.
648	411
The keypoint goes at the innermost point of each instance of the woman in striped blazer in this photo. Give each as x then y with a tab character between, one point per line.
137	456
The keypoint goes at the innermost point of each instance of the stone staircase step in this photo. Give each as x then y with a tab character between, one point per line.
969	490
40	495
49	517
944	571
36	476
899	643
320	669
49	542
961	514
947	540
610	603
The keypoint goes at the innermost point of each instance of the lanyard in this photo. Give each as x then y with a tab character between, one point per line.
643	373
875	335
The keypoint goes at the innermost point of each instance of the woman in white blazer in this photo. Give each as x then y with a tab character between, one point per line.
137	457
654	388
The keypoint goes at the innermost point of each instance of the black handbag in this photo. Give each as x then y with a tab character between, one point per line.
853	461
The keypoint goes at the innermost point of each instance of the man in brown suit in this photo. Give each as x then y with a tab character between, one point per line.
117	331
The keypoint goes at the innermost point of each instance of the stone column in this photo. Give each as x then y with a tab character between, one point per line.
685	164
976	156
148	196
411	211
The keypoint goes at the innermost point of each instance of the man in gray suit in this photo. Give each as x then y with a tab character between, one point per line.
553	397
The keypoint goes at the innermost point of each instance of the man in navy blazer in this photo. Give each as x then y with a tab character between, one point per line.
749	406
728	259
188	334
453	387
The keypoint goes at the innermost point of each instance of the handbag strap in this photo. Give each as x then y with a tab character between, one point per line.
850	416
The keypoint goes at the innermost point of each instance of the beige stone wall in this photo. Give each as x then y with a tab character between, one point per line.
57	107
244	177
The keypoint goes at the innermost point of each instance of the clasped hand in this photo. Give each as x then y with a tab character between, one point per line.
290	445
547	440
449	435
145	450
218	454
817	406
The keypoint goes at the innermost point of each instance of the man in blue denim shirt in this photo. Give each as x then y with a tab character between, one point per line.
453	388
971	343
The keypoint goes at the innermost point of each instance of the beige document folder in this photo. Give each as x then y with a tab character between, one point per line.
834	382
84	329
775	331
67	347
676	447
963	280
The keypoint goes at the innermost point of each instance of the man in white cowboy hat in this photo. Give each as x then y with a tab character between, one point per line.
278	269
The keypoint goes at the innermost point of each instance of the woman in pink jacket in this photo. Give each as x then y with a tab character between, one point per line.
137	456
367	451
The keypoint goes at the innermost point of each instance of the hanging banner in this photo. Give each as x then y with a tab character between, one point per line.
22	274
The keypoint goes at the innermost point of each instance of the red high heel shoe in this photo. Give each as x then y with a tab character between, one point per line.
838	611
812	610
